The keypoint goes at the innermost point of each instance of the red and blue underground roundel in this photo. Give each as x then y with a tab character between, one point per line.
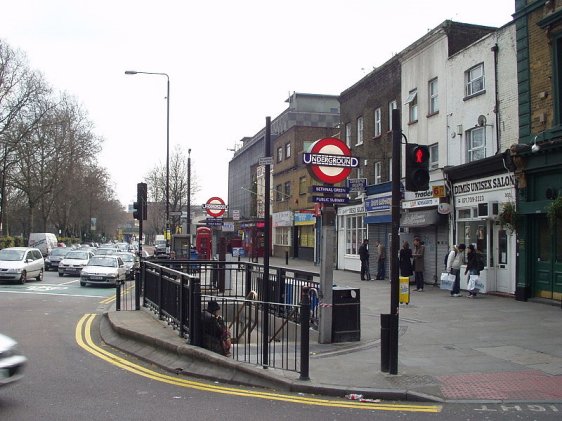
329	160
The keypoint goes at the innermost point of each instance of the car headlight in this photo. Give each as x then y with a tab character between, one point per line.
112	275
15	270
61	264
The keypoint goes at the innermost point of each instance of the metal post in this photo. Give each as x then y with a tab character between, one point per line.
326	275
305	333
188	204
266	251
168	167
118	296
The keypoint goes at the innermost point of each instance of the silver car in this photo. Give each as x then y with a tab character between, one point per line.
57	254
74	261
11	363
103	270
131	263
20	264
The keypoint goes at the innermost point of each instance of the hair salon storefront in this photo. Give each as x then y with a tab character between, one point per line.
477	204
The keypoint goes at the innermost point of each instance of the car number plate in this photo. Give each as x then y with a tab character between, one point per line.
96	278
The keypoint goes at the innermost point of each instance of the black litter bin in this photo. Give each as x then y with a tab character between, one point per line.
346	321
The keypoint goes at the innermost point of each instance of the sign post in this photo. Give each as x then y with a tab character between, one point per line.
329	160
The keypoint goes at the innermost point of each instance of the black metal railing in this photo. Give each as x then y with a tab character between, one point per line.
269	333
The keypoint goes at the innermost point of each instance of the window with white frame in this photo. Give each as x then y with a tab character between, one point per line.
389	169
282	236
279	154
359	130
378	172
348	134
412	102
378	122
474	78
287	150
355	232
434	156
278	193
433	96
392	105
303	185
360	172
475	144
287	189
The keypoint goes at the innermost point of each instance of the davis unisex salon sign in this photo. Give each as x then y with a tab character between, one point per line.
485	184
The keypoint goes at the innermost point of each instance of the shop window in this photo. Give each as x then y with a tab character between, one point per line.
355	232
282	236
473	232
306	236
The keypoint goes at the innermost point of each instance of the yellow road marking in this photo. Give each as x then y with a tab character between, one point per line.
84	340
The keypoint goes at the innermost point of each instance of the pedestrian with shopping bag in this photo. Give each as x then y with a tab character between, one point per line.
454	262
474	264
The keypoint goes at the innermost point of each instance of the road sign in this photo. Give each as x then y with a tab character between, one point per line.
329	160
215	207
330	189
236	214
213	222
178	213
322	199
356	184
268	160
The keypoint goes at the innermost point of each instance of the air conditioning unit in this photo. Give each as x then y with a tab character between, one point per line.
488	210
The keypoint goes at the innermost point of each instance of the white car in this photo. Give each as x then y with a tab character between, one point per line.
20	264
74	261
103	270
131	263
11	363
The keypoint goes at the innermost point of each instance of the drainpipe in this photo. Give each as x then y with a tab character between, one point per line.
495	50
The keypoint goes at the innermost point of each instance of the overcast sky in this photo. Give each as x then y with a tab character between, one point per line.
230	63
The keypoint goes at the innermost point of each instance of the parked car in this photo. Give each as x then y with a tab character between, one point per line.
131	263
11	363
74	261
103	270
21	263
57	254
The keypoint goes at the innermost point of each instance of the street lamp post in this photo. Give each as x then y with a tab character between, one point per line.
134	72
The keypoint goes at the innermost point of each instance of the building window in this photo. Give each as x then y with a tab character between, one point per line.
355	232
278	193
307	236
389	169
303	185
288	189
348	134
475	144
392	105
473	232
282	236
359	131
287	150
434	156
412	102
378	172
433	94
360	172
474	78
378	122
279	154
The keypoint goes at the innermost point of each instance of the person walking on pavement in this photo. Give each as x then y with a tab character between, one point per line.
418	254
405	260
364	256
381	253
473	258
454	262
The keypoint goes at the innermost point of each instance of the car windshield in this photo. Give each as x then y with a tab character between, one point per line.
11	255
127	257
77	255
106	251
103	261
59	251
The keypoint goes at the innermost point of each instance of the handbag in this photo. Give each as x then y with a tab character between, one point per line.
447	281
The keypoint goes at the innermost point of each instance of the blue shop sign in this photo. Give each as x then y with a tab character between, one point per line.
378	204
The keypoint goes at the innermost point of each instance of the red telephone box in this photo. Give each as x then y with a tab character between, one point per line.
204	243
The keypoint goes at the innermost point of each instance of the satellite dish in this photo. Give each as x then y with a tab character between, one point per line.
481	120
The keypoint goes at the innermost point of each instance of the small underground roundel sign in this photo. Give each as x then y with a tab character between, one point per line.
329	160
215	207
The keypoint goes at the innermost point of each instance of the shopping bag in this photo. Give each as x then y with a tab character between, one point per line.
471	284
447	281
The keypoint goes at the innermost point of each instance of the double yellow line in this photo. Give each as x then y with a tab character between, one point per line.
84	339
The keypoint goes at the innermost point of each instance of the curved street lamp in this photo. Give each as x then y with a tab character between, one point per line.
134	72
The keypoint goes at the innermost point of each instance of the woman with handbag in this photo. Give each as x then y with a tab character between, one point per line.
472	269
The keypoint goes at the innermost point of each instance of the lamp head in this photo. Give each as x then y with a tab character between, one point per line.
131	72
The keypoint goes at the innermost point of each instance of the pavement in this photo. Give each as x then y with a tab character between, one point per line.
489	349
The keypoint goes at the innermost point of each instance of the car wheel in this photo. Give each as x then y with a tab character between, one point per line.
23	278
40	276
61	274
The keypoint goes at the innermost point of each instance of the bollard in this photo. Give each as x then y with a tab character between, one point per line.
118	296
287	257
305	333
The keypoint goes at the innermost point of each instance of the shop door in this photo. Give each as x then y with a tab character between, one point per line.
548	260
502	260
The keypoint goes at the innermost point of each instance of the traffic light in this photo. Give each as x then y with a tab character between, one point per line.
417	167
140	205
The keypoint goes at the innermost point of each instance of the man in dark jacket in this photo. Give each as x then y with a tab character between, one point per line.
364	256
216	336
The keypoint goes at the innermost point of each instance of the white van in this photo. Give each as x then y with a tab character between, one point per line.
44	241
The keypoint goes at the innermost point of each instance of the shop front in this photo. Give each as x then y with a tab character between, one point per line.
304	238
282	224
351	230
379	222
477	204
